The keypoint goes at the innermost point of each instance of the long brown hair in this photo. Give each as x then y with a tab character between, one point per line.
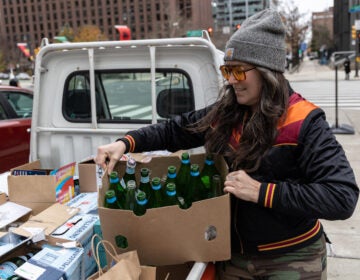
259	127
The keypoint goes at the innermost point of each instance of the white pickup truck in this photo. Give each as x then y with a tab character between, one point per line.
89	94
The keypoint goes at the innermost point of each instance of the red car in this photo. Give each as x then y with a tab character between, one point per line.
15	121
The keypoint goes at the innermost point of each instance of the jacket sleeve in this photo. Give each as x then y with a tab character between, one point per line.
328	189
171	135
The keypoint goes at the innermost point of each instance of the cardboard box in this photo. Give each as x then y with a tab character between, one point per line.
170	235
86	202
67	261
40	226
80	228
90	175
10	242
38	192
11	212
3	197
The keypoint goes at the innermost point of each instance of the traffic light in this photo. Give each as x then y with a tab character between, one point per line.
238	26
210	31
353	32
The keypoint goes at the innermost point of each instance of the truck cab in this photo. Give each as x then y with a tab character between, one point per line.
89	94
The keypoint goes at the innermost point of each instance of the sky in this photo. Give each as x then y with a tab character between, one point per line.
309	6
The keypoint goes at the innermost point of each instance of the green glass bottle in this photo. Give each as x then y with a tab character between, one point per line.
130	200
171	175
170	195
116	186
208	171
141	203
196	189
111	200
182	203
145	184
182	177
156	196
130	171
217	185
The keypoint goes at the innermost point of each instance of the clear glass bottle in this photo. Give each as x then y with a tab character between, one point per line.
130	171
141	203
111	200
117	187
182	177
171	197
130	200
156	196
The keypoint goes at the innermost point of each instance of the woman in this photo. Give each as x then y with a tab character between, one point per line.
286	169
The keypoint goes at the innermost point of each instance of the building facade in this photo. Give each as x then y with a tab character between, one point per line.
28	21
230	13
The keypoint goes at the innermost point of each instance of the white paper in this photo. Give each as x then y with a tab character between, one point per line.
3	182
37	234
29	271
10	212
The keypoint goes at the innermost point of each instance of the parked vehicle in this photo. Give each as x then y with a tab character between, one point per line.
91	93
23	76
4	76
15	121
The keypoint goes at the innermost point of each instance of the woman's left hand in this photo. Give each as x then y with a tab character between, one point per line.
240	184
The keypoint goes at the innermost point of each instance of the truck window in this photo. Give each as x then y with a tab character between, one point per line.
125	96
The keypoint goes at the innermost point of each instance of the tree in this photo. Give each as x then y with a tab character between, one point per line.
296	28
67	32
321	37
88	33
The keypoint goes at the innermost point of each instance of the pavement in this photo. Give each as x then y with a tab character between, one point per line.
344	256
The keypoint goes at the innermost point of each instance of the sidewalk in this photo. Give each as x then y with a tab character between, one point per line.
344	261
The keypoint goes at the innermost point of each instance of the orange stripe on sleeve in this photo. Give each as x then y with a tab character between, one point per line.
131	142
269	195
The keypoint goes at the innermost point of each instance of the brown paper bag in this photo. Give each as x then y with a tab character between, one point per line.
127	265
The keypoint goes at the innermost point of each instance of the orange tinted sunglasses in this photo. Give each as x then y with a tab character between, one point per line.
237	71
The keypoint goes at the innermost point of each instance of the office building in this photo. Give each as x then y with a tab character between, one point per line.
230	13
28	21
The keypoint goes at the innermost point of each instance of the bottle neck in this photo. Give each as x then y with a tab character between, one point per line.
145	180
171	175
171	193
111	199
195	173
114	180
130	170
142	202
156	187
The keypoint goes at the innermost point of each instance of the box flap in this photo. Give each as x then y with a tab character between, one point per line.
11	212
48	220
29	166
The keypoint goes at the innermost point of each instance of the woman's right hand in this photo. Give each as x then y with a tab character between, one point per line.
108	155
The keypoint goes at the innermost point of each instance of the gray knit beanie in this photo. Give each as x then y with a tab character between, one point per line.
260	41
